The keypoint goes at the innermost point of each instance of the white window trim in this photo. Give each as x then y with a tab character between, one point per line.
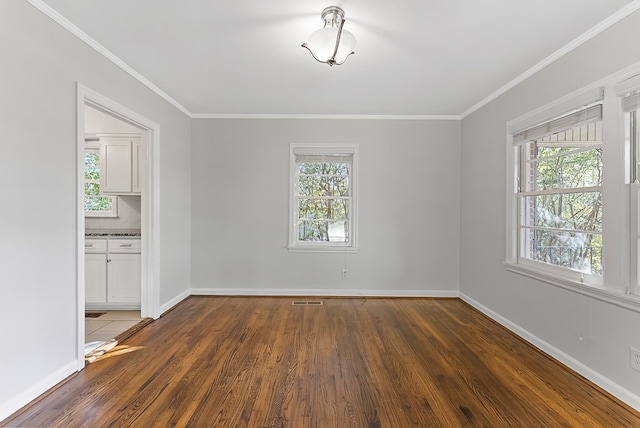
616	285
629	92
90	145
628	301
323	247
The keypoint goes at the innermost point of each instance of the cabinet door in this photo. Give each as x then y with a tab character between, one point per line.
115	165
124	280
95	278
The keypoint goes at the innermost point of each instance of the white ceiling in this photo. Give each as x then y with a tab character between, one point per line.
414	57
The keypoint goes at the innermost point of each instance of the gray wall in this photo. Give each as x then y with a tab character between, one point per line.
41	63
408	208
551	314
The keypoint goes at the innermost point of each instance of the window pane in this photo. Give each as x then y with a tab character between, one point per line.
581	211
324	168
92	158
91	173
91	189
98	203
329	209
93	200
323	179
91	165
321	230
563	167
577	251
323	185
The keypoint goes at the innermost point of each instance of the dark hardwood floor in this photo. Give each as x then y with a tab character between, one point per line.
261	362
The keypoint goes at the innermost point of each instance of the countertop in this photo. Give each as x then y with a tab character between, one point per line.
96	233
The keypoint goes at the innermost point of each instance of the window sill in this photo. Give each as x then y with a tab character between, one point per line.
627	301
323	249
99	214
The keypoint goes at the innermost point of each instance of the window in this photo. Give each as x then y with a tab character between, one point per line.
560	192
323	198
573	191
95	203
556	197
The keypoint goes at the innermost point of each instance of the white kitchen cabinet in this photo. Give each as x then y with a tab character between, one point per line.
95	245
120	159
123	278
112	273
95	269
124	245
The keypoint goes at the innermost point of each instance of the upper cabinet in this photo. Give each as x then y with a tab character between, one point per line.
121	161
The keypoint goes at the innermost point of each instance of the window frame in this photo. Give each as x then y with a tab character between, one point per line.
523	191
614	287
93	146
629	93
351	246
632	138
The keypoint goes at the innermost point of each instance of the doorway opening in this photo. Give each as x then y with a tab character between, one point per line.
125	245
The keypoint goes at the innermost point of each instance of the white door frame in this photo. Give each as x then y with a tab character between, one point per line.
150	219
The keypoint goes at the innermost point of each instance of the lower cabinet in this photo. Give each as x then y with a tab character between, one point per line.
95	283
123	278
112	273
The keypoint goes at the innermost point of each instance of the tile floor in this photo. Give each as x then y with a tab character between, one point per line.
109	325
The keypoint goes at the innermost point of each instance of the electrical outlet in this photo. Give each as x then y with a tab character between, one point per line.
634	358
344	274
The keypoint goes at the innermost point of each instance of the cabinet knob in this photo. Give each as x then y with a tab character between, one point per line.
108	260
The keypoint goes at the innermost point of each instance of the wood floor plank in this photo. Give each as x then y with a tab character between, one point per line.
261	362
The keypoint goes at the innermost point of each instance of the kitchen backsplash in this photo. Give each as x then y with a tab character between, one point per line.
128	216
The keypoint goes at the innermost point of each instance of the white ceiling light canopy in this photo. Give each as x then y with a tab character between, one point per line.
331	44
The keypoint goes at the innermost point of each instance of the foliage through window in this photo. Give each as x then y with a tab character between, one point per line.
95	203
323	208
560	192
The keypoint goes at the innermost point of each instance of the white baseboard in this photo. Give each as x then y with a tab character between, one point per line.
171	303
603	382
320	292
25	397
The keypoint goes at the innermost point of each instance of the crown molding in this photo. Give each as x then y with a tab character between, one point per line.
327	116
588	35
73	29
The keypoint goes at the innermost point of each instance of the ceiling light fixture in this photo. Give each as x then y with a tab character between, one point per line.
331	44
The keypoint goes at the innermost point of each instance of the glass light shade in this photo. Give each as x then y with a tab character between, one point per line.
323	42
